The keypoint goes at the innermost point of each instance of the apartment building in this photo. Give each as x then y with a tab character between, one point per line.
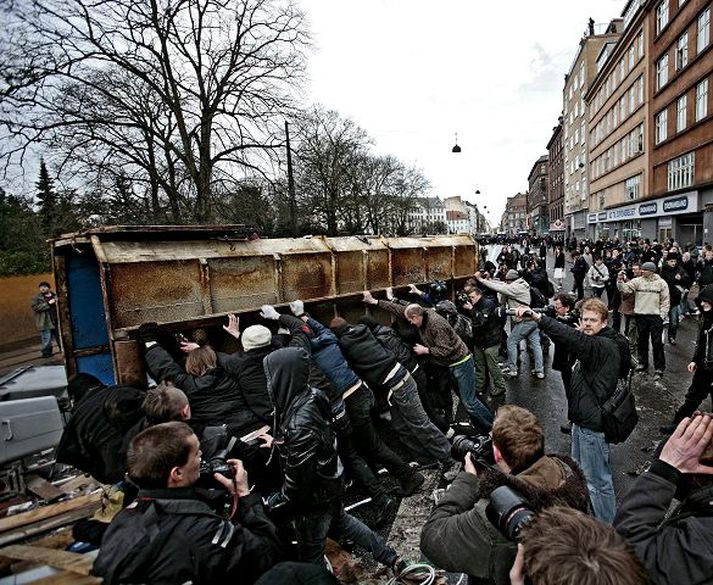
427	215
555	176
618	118
514	220
537	197
681	121
575	125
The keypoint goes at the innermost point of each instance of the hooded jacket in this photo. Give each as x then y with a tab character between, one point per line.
487	328
303	438
594	374
513	294
391	341
459	537
703	354
675	547
675	286
45	314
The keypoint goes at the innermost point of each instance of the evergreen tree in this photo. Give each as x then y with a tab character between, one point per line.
47	199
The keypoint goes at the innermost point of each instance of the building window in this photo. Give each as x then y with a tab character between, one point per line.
632	187
661	16
681	106
701	100
682	52
640	89
632	57
662	72
661	126
640	44
704	29
681	171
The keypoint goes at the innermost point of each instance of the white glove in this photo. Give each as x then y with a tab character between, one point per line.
269	312
297	307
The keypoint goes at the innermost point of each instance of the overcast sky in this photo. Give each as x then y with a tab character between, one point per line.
412	73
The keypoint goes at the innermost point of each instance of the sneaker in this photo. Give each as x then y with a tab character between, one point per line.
411	485
658	374
384	506
538	375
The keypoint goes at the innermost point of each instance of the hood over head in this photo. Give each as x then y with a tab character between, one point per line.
287	373
370	322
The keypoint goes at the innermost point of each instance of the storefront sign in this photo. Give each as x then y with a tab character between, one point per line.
686	203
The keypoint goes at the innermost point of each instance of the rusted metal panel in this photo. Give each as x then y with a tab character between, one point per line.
130	364
242	284
306	276
378	273
466	261
407	265
349	275
439	263
155	291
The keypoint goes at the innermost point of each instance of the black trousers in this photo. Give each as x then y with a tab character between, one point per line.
366	438
697	392
427	402
650	326
355	465
579	286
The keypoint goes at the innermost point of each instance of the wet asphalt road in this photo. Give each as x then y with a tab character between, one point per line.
656	401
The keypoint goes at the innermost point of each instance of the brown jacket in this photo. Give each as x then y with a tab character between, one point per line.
444	344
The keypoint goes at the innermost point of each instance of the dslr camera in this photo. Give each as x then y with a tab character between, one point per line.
509	512
218	463
480	448
533	309
462	297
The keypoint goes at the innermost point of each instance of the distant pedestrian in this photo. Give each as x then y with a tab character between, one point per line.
44	304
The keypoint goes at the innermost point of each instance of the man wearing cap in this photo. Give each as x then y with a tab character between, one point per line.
651	305
515	292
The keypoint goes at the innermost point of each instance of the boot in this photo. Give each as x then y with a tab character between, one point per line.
410	486
383	507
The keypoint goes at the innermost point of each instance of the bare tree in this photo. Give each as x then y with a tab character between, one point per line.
172	94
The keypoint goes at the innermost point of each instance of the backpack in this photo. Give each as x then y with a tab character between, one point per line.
619	416
462	325
537	299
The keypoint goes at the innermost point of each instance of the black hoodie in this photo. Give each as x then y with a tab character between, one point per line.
305	441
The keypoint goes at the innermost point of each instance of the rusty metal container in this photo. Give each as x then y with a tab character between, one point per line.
113	279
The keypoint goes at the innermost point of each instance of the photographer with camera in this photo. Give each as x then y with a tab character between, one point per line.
173	533
458	535
675	546
487	335
602	356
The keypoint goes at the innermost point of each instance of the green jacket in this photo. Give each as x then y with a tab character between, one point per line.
44	312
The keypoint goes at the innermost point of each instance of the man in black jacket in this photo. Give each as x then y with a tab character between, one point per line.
675	548
380	369
171	533
101	416
311	492
594	379
487	335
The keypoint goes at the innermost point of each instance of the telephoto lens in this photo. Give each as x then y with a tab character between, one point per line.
509	512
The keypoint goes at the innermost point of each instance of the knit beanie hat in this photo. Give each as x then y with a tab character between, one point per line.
256	336
650	266
512	275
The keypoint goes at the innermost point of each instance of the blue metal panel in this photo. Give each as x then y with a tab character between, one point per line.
99	365
86	305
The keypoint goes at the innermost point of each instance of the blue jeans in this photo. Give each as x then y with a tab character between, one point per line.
46	336
312	529
464	376
413	426
525	330
673	313
591	451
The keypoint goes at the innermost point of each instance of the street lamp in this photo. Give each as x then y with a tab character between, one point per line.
456	148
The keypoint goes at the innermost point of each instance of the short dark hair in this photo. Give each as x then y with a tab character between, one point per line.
566	299
154	452
164	403
565	546
518	434
44	283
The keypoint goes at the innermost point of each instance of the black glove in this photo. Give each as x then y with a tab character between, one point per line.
275	501
149	332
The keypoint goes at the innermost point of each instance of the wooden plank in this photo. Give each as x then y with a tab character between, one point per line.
40	486
60	539
48	524
76	563
19	520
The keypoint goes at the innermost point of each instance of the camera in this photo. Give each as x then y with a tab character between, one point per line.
533	309
462	297
509	512
218	463
480	448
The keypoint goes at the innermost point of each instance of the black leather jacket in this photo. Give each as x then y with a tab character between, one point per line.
487	328
703	354
304	439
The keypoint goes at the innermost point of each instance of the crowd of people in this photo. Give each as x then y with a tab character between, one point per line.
234	464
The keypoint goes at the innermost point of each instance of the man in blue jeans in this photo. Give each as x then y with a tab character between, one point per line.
594	378
515	292
441	343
